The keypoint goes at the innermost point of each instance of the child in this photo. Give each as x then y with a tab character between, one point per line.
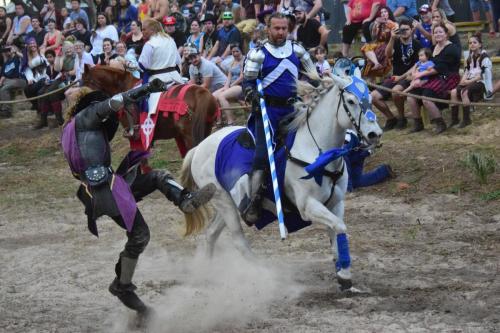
422	65
322	65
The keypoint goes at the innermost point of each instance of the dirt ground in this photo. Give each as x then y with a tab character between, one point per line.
425	249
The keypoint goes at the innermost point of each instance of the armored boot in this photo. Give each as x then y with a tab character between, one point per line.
42	121
187	201
466	117
252	212
418	125
123	288
454	115
440	125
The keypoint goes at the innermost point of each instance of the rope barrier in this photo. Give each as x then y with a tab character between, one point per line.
241	107
40	96
432	99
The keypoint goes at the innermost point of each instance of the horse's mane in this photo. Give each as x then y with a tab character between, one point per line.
110	69
309	96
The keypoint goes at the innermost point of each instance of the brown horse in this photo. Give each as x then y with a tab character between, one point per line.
187	129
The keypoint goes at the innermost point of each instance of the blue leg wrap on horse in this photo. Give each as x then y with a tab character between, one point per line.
344	260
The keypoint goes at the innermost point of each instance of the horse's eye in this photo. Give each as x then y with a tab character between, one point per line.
350	101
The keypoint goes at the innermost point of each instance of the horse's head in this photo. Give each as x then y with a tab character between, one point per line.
108	79
354	106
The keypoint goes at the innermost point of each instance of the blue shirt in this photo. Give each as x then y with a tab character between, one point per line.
82	14
410	6
11	68
424	42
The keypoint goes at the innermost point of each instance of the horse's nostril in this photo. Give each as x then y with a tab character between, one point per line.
372	135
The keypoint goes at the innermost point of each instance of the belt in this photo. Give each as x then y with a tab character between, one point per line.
278	101
160	71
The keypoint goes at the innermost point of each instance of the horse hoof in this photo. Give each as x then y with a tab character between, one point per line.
345	285
145	317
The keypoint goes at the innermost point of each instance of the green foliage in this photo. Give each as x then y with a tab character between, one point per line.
481	165
490	196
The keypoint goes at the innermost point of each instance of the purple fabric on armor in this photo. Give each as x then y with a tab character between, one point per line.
70	148
124	200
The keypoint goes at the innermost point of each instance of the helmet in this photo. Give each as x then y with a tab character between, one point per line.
227	16
169	20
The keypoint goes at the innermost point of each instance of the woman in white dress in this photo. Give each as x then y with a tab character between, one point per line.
103	30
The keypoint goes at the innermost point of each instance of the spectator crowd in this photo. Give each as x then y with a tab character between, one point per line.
409	48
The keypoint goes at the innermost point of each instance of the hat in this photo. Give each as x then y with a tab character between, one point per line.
208	17
300	8
168	20
227	16
263	14
424	9
191	49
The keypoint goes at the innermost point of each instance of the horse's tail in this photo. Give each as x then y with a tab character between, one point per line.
194	221
204	116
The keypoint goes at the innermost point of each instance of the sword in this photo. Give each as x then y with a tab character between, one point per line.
272	165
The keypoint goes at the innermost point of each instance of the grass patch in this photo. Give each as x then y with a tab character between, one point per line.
8	152
491	196
480	164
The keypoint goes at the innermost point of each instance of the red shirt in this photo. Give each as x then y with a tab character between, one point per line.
361	9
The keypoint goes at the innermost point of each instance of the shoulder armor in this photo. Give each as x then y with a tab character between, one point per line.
253	63
304	57
256	55
298	49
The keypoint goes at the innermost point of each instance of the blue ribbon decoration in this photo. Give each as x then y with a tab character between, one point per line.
317	168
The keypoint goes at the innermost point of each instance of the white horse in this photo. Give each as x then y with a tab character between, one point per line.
320	122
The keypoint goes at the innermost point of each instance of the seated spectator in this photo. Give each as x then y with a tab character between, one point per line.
196	36
204	72
102	31
125	60
311	7
475	7
232	89
178	36
355	161
38	33
5	25
82	58
51	103
48	11
446	7
112	12
378	64
77	12
423	64
134	40
423	28
444	77
322	65
21	25
82	34
248	15
310	32
108	53
285	7
64	22
438	17
101	5
403	51
10	79
226	36
65	64
230	6
185	61
475	82
53	39
126	14
360	15
210	33
403	9
143	10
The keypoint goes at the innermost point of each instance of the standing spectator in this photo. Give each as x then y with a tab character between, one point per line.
403	50
38	33
378	63
444	77
310	32
204	72
321	63
423	28
178	36
446	7
360	15
311	7
226	36
210	33
53	39
48	11
249	10
143	10
403	9
82	58
82	34
285	7
10	79
77	12
107	54
475	6
232	89
439	17
51	102
196	36
21	25
127	13
5	25
134	39
112	12
101	5
103	29
475	83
